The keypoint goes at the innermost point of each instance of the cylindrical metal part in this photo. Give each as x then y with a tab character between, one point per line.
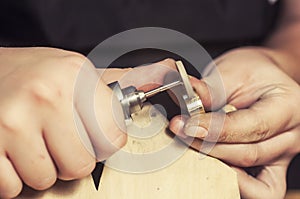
162	88
134	101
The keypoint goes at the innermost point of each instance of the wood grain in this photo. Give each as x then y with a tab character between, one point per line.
189	176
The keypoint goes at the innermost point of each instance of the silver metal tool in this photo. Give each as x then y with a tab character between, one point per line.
188	100
132	99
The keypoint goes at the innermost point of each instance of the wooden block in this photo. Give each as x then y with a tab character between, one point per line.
187	175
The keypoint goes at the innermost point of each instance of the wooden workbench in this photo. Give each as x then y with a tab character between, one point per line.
189	176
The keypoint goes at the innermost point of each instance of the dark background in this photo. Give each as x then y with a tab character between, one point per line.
218	25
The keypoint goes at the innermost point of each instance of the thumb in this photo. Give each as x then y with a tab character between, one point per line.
100	113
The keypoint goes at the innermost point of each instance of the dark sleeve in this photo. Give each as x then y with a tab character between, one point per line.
80	25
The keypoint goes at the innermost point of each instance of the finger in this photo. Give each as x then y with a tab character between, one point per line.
270	183
110	75
203	91
248	155
31	160
221	85
245	179
10	183
21	136
100	113
110	117
152	75
246	125
211	90
176	125
257	118
69	144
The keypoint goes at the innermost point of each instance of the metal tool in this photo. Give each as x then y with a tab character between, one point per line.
132	100
188	100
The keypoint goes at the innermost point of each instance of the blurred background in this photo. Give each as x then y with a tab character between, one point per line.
218	25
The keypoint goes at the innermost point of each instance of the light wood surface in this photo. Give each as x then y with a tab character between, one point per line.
188	176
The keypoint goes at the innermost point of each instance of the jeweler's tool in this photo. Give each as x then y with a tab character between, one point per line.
132	99
188	100
162	89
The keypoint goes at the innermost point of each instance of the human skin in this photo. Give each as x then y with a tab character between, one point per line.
47	129
263	83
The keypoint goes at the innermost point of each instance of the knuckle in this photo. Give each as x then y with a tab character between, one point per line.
251	156
77	171
49	90
58	52
11	120
76	66
42	91
223	137
75	60
226	133
261	130
170	61
75	55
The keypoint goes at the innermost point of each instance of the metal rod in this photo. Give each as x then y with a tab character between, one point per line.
162	88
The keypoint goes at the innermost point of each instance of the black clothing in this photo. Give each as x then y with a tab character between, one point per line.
81	25
218	25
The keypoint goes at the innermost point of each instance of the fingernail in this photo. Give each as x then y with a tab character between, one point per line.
196	131
178	128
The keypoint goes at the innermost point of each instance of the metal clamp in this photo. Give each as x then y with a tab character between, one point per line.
132	99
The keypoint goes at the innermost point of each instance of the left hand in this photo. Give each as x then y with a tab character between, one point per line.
272	156
265	131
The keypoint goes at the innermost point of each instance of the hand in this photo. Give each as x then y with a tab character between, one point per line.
38	136
271	156
47	129
265	129
152	75
46	122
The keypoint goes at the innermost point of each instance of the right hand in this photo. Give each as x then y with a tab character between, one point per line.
50	130
39	139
